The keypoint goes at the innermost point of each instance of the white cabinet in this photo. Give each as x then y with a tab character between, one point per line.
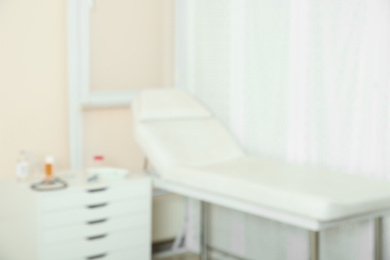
104	221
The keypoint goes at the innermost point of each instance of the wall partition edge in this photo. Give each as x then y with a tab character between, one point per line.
181	64
75	60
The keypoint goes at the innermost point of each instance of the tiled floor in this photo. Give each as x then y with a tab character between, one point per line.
185	256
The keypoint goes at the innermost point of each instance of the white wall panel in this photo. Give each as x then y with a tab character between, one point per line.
350	241
211	55
311	83
266	67
252	237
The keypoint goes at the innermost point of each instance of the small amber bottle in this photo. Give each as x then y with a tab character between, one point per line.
49	169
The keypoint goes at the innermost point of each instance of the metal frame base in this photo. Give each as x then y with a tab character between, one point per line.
314	237
313	226
378	229
314	246
204	230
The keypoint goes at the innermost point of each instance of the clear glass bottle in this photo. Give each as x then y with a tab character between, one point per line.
23	167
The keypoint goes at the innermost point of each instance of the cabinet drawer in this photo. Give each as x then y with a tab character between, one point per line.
85	196
92	212
98	245
98	226
142	253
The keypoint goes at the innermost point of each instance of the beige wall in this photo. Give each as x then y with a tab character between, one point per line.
131	44
168	216
33	91
33	86
131	48
109	132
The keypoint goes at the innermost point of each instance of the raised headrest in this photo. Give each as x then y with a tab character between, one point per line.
173	128
167	104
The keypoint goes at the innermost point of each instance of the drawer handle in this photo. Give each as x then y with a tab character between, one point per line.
97	190
97	221
97	206
96	237
96	256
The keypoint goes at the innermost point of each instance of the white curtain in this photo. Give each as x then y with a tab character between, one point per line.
301	80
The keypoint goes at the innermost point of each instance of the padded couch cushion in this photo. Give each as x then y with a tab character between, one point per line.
190	142
189	147
306	191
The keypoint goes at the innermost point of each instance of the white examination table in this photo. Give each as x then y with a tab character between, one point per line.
195	156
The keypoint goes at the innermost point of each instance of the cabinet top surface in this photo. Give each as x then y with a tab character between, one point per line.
76	179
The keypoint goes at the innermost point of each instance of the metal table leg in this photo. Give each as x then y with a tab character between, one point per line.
204	230
314	245
378	238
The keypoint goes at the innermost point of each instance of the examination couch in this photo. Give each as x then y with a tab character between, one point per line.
194	155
